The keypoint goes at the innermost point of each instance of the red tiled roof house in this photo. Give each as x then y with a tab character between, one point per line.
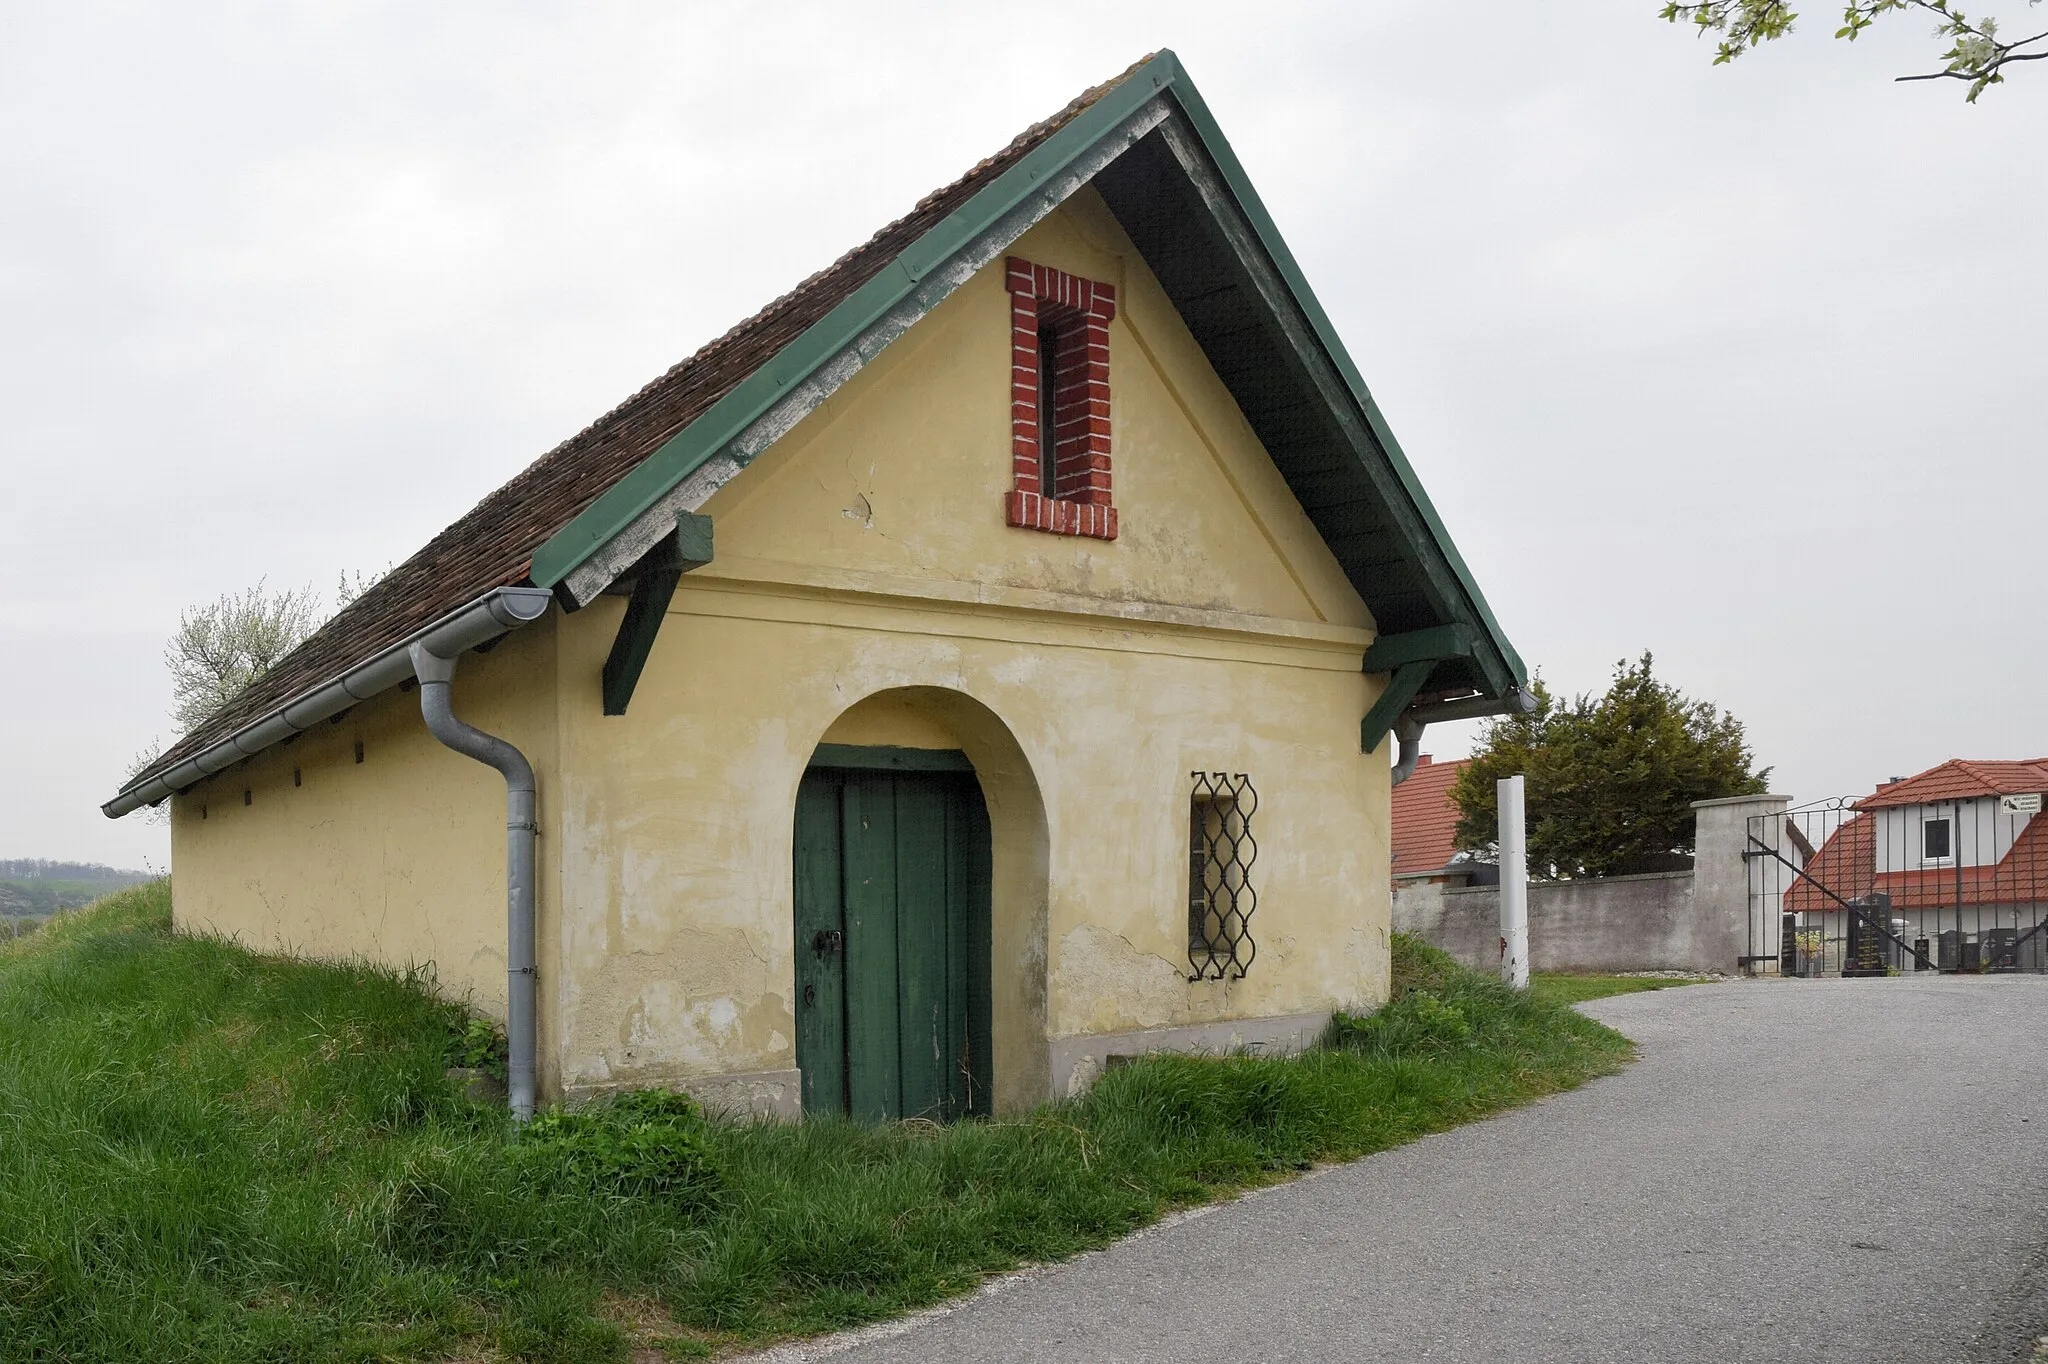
1958	850
1425	825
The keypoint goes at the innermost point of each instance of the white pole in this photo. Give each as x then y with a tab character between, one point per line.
1514	884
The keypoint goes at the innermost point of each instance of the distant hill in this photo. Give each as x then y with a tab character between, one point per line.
31	888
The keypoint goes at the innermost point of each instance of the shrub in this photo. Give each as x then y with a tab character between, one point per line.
645	1143
474	1043
1418	966
1416	1022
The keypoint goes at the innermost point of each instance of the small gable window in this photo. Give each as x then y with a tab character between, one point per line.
1059	401
1934	840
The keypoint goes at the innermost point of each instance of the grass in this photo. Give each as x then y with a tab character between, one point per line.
210	1155
1562	988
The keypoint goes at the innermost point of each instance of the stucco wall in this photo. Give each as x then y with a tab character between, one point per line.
868	553
1617	923
867	589
399	858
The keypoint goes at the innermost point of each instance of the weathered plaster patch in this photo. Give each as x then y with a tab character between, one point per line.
1106	984
664	1019
1086	1072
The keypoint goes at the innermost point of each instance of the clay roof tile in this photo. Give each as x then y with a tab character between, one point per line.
1423	818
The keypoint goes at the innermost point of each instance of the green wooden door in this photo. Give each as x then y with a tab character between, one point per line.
892	943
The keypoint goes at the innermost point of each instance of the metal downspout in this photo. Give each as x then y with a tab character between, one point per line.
1409	732
436	674
1408	729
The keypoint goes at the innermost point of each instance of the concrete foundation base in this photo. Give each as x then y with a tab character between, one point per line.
1077	1062
764	1094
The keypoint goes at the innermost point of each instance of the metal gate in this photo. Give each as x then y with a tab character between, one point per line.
1865	888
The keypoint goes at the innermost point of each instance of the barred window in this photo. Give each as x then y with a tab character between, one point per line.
1221	899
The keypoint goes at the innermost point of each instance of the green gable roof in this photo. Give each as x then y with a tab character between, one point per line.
584	513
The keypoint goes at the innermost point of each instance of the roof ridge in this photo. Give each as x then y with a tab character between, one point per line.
1958	778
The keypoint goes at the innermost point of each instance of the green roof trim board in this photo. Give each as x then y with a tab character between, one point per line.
1160	76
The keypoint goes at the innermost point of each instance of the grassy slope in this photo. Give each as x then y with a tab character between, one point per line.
207	1155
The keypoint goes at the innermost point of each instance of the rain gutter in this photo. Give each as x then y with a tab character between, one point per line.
481	621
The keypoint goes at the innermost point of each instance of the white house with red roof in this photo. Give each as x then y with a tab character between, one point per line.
1955	855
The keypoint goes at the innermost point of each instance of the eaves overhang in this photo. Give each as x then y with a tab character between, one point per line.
479	622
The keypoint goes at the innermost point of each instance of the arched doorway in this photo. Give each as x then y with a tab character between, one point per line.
892	927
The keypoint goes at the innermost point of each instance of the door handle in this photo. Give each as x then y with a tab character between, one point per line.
828	940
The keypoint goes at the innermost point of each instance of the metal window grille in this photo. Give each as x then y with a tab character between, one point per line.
1221	899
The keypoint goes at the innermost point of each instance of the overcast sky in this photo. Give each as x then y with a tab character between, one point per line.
1742	365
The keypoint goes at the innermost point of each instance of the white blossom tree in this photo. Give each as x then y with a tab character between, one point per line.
1977	54
354	582
222	647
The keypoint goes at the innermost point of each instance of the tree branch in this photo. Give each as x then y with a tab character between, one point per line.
1976	56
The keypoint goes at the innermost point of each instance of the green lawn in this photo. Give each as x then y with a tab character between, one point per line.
210	1155
1561	988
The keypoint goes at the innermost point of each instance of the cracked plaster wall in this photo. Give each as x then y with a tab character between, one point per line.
399	858
867	590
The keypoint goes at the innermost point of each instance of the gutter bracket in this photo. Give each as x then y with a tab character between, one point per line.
656	576
475	625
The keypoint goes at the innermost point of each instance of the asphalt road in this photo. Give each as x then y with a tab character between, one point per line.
1838	1170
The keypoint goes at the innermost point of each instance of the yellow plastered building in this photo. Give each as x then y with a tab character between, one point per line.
947	682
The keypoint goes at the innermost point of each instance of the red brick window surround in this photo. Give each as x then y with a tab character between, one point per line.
1059	397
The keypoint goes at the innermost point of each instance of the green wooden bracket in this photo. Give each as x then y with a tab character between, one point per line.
1401	689
1432	645
655	579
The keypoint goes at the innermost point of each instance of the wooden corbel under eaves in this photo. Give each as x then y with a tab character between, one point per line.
1401	689
1410	658
654	583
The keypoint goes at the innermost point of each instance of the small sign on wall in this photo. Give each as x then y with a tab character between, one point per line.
2021	805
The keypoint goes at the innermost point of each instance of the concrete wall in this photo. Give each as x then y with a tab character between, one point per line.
1617	923
1695	920
1737	842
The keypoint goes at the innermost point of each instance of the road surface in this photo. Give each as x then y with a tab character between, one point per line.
1793	1170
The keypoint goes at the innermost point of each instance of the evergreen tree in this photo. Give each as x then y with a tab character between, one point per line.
1609	780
